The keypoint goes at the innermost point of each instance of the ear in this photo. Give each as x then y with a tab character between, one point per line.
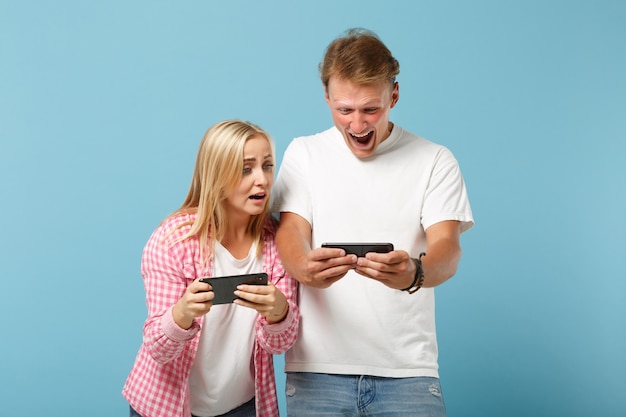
395	94
326	97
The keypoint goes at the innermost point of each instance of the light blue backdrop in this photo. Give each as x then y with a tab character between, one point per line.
103	104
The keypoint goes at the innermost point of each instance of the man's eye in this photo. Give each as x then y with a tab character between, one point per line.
344	111
371	111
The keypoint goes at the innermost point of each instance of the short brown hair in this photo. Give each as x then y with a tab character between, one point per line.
359	56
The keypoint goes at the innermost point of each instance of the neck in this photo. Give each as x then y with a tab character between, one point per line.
237	240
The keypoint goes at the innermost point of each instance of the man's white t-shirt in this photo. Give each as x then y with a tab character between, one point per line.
358	325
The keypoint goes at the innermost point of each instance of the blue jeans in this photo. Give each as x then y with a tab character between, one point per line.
314	395
244	410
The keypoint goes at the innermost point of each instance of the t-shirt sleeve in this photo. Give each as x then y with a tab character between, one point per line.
446	196
291	191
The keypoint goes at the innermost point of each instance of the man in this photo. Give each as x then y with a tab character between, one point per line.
367	343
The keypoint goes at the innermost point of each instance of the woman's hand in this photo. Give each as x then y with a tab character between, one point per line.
268	300
195	302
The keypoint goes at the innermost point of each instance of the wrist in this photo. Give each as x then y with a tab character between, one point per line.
275	318
418	279
183	321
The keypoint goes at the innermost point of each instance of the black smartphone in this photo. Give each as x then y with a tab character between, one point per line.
224	287
360	249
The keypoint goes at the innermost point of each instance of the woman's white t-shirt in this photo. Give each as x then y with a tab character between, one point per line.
222	375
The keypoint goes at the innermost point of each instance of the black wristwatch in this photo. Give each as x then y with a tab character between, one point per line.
418	280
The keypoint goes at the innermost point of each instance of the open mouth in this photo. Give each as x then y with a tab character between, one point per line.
362	139
259	196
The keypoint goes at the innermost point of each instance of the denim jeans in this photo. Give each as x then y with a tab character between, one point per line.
244	410
314	395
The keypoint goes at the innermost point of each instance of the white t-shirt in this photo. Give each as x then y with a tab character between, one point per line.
357	325
222	375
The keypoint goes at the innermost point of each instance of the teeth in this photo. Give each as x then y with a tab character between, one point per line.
361	136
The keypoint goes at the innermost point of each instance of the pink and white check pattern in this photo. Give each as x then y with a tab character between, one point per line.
158	382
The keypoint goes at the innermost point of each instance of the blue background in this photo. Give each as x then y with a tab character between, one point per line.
103	105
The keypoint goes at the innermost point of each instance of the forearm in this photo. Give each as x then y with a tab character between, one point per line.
292	248
279	337
276	336
440	262
164	340
443	252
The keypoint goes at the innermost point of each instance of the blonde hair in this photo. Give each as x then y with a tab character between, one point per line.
359	56
218	170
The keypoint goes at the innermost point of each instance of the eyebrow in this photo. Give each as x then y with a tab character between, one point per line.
268	156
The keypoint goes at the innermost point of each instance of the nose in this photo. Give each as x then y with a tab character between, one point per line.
260	177
358	122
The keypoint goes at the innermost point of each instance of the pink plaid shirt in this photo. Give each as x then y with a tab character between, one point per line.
158	382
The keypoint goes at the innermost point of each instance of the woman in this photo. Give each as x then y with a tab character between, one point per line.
202	359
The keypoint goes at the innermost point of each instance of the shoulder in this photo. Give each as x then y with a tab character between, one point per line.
169	250
172	229
424	148
315	140
303	150
175	222
410	138
330	132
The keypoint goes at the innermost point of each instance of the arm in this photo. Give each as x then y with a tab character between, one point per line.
319	267
167	281
443	252
278	331
294	242
164	339
278	337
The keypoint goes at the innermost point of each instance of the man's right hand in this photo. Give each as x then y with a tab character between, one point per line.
319	267
325	266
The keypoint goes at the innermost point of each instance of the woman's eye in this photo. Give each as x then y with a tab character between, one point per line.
247	170
268	167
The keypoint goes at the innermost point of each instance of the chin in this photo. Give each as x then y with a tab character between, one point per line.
256	211
362	153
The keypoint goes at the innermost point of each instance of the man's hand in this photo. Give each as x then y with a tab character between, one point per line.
325	266
397	270
319	267
394	269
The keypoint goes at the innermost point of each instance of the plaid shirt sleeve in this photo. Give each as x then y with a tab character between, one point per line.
167	270
157	384
277	338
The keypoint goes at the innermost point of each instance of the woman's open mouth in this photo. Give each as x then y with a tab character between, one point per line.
259	196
